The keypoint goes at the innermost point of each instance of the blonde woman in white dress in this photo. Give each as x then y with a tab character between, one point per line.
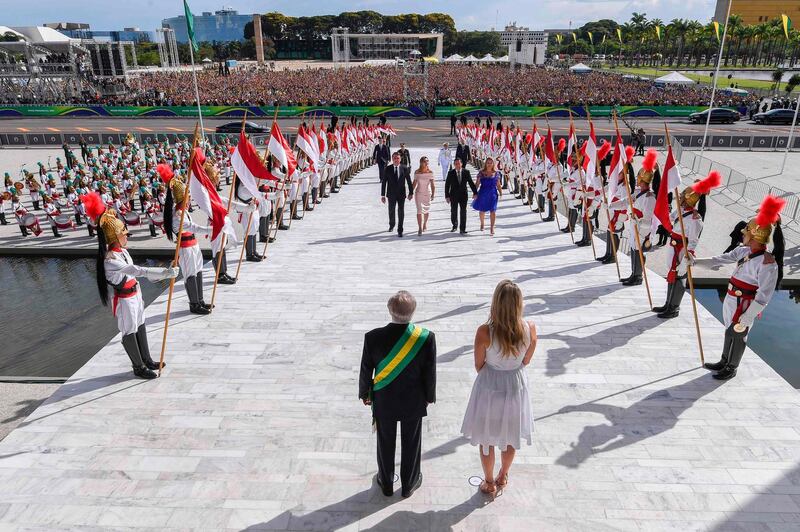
424	190
499	411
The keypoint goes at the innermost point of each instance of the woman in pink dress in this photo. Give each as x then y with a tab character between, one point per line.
424	190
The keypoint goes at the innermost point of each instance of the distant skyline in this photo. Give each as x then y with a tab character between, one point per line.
468	14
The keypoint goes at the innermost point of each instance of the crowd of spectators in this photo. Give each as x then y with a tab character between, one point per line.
463	85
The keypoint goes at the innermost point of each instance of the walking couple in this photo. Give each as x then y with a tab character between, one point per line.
398	381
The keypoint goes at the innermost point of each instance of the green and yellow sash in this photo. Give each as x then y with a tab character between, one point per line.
400	356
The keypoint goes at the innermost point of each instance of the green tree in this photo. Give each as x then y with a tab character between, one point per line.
477	43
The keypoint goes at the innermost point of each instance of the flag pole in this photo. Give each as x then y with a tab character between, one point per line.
688	264
605	202
533	148
632	219
275	209
186	200
299	188
222	235
579	161
196	90
561	188
716	77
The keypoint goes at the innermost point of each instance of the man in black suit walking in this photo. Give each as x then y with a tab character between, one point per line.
455	193
398	380
462	152
453	121
396	177
405	155
381	156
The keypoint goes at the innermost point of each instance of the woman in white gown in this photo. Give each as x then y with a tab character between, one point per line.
499	410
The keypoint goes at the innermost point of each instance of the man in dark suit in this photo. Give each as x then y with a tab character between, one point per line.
455	193
462	152
396	178
399	396
381	156
453	121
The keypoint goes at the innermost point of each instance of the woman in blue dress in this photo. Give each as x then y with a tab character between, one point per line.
488	193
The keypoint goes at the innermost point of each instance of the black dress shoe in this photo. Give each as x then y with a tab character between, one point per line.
464	232
453	230
387	491
714	366
565	229
209	306
399	234
634	281
271	239
154	365
391	228
409	491
283	227
669	313
296	217
660	309
262	239
226	279
626	279
583	243
144	372
728	372
198	309
608	260
253	258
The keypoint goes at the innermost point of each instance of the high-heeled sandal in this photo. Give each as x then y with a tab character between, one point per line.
487	488
501	482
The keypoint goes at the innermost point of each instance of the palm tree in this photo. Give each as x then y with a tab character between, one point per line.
678	28
734	23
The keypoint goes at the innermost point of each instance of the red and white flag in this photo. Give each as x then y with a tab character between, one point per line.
307	146
280	149
204	193
248	166
591	160
669	182
618	162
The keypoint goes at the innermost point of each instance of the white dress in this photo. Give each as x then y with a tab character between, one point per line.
499	408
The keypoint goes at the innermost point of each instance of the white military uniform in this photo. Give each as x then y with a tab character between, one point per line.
445	161
643	205
128	306
676	255
190	258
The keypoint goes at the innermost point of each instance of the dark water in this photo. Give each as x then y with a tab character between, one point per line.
51	319
775	337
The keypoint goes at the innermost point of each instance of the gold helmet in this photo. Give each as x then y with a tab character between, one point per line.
211	172
173	182
647	171
760	228
106	220
691	195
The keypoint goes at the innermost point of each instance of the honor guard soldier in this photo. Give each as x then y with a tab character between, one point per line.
246	207
644	202
5	201
755	278
116	280
190	258
617	210
676	255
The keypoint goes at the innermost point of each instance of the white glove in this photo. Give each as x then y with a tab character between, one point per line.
749	316
158	274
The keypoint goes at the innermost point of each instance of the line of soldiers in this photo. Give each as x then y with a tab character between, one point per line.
340	160
543	180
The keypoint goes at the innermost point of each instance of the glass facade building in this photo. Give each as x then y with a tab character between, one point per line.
224	25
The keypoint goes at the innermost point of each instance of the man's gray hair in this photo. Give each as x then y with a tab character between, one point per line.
402	306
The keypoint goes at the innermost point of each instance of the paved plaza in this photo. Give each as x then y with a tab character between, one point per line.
256	424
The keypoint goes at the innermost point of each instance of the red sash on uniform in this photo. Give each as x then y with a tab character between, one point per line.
127	290
188	240
677	243
744	294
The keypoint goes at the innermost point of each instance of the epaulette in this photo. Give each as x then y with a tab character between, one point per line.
769	258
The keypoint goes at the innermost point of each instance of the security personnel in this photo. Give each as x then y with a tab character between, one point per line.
756	277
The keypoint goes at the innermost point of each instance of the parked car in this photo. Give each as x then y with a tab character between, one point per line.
236	127
774	116
719	115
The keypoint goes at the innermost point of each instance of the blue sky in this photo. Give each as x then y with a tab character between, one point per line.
468	14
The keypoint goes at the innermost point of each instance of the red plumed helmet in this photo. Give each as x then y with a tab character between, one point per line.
93	204
232	149
165	171
561	145
770	210
649	162
712	181
603	150
630	151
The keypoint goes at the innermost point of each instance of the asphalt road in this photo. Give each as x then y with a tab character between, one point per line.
425	128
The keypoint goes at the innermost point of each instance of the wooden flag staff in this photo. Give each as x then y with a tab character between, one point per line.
563	194
633	221
185	204
579	161
688	264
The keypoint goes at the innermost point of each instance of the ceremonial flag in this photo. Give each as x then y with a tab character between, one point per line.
787	24
549	149
591	159
604	39
190	26
716	30
559	37
669	182
306	145
618	161
279	148
204	193
574	37
572	141
658	32
248	166
591	37
619	35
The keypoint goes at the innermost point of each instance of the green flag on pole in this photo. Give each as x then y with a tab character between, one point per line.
787	25
190	25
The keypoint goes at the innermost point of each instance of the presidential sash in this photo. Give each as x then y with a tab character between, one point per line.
400	356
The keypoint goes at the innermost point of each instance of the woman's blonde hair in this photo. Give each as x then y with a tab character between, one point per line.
494	165
505	318
421	160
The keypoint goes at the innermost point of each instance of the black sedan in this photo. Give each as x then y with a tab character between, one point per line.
775	116
236	127
719	115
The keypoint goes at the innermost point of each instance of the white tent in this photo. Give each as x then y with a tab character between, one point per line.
42	34
454	59
580	68
488	58
503	59
674	78
469	58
